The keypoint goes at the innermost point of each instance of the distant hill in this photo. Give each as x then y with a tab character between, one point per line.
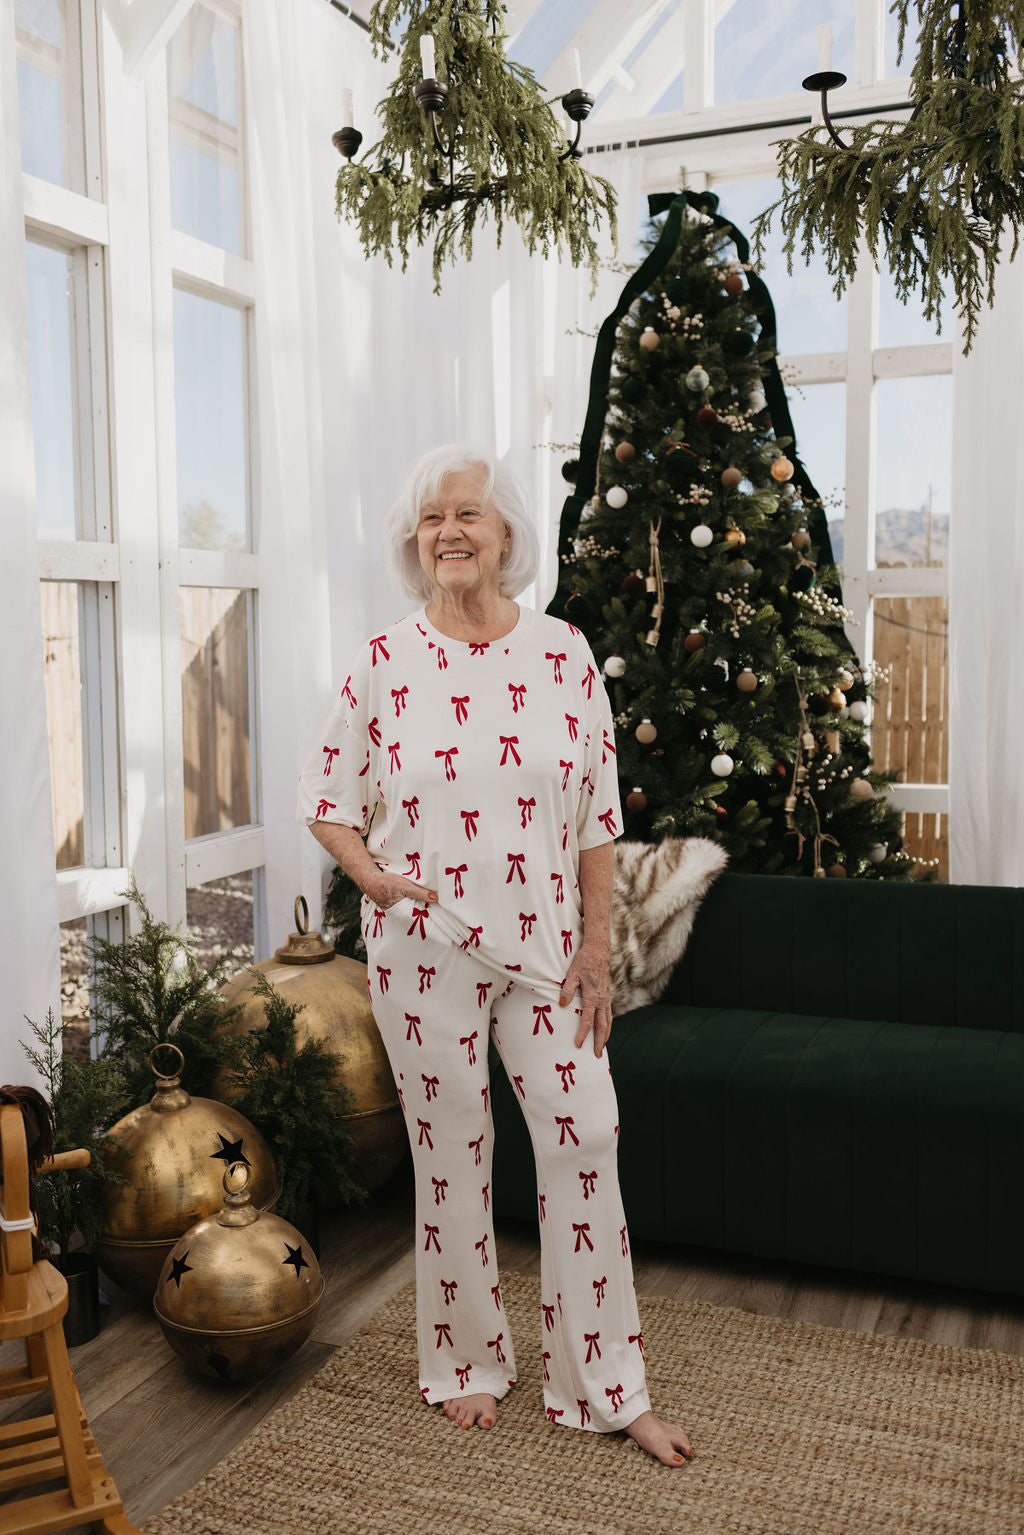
902	537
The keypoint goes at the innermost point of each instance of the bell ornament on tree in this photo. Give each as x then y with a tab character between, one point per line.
239	1293
331	989
172	1151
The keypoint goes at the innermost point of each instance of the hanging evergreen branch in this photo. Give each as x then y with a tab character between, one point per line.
507	144
935	192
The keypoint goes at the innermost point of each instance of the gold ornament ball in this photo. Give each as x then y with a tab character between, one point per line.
637	800
746	681
694	641
837	699
646	732
861	790
335	1009
734	537
734	284
731	477
650	339
801	539
845	679
625	452
782	468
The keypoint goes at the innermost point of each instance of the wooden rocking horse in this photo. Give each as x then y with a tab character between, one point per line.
57	1448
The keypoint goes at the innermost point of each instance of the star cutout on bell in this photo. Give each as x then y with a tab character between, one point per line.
230	1151
179	1266
295	1258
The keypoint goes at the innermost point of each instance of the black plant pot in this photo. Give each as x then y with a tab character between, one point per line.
82	1320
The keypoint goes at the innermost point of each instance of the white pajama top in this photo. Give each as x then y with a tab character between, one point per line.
479	770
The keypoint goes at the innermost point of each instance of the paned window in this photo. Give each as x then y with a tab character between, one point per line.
211	414
217	708
766	50
49	90
59	373
204	92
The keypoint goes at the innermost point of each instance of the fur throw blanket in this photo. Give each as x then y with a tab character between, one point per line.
658	889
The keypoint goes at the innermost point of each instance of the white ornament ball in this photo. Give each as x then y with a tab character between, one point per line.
788	491
614	666
859	710
722	765
757	401
878	853
697	380
845	679
701	535
861	790
616	497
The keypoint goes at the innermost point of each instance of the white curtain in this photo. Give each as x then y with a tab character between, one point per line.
986	609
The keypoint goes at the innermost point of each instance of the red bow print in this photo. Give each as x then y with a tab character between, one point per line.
589	1181
615	1392
516	862
622	1238
383	978
568	1080
431	1085
559	897
373	731
449	1286
363	770
440	1185
566	941
482	988
477	647
495	1343
607	819
461	712
473	941
549	1316
486	1192
510	743
424	1392
347	692
483	1094
396	762
541	1201
481	1248
432	1232
526	925
565	835
544	1361
542	1015
426	971
400	696
323	807
606	747
526	809
599	1285
444	1331
572	720
332	752
581	1231
517	1083
587	782
593	1347
638	1339
470	818
554	1413
449	770
518	694
566	1121
413	871
420	915
424	1125
463	1375
496	1292
474	1147
411	806
414	1027
470	1040
566	770
442	660
379	648
581	1403
549	655
458	869
378	922
587	680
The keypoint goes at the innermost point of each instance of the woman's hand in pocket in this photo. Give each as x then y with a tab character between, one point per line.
386	890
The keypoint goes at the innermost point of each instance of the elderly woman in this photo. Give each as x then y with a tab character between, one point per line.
465	779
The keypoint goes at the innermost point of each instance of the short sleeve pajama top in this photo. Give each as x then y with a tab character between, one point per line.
480	770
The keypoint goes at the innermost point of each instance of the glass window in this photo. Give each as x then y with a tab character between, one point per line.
808	316
62	677
904	324
819	423
204	91
892	30
217	708
211	415
219	918
766	50
913	469
55	320
909	723
49	91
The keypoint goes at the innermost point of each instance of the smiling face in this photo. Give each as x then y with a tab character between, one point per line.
459	538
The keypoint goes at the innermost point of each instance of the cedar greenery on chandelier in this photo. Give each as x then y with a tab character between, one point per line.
936	191
479	138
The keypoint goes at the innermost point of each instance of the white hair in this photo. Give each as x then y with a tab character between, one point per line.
501	488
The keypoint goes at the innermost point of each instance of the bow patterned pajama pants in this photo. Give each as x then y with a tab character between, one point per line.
436	1005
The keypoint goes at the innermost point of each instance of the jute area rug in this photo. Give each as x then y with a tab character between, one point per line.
796	1429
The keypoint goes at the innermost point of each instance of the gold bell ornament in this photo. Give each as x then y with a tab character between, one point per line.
172	1151
335	1008
239	1293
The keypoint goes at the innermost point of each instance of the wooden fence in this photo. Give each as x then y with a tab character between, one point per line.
62	681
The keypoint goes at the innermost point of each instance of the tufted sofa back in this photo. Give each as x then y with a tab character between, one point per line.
868	949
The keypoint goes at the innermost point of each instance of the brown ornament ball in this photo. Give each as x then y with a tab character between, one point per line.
780	770
634	584
637	800
731	477
649	339
646	732
694	641
801	539
734	284
707	416
625	452
836	871
782	468
746	681
721	814
837	699
818	703
734	537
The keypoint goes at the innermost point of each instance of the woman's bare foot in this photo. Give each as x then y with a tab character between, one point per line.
662	1440
479	1408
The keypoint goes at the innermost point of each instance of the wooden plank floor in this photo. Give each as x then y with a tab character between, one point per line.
159	1427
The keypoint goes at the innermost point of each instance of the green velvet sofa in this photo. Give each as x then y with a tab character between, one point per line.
834	1076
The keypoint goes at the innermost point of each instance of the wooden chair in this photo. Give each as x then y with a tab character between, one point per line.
58	1447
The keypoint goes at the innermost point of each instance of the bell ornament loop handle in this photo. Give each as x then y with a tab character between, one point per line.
237	1178
301	922
166	1076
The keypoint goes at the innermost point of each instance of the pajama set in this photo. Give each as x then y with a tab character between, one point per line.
481	770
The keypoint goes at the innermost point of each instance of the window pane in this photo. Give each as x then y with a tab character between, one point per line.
216	701
909	713
913	470
62	676
819	422
766	50
219	919
909	42
54	375
904	324
211	407
809	317
204	88
49	95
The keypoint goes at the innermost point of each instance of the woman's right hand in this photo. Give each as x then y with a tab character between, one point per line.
385	890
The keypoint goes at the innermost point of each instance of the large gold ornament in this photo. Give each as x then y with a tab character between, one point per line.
336	1009
239	1293
175	1151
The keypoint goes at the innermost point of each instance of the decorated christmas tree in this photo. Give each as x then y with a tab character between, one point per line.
695	556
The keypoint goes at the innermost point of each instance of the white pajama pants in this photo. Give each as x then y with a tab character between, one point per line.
435	1005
